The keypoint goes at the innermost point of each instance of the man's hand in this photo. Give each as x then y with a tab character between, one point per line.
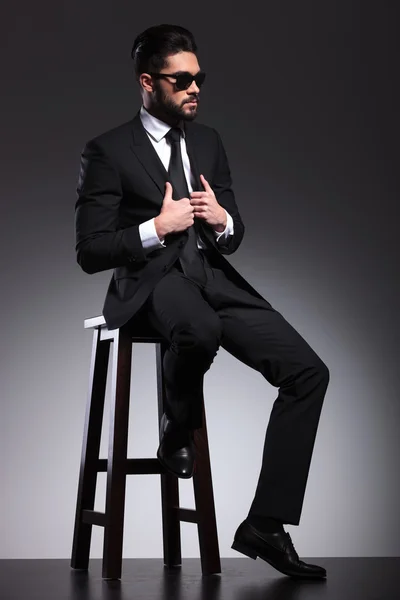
175	215
207	208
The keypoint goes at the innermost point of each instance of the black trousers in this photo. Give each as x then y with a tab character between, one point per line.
197	320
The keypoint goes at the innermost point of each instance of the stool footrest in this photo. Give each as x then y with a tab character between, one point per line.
93	517
187	514
135	466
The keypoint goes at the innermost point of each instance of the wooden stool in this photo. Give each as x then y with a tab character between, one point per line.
118	465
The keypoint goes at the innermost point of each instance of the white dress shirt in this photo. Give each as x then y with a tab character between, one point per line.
156	131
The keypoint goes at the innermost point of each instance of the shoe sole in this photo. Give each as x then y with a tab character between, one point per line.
180	476
239	547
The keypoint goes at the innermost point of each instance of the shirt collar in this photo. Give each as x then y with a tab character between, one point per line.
155	127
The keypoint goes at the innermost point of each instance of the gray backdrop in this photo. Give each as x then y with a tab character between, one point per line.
303	97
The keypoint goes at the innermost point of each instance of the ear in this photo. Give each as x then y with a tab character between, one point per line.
146	82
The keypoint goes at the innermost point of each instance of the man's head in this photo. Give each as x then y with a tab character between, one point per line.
164	50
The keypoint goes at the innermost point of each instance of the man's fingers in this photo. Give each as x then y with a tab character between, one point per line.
168	191
205	183
200	211
198	201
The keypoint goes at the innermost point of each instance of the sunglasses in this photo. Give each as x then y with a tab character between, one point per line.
182	80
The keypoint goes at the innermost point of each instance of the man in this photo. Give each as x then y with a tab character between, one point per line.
155	204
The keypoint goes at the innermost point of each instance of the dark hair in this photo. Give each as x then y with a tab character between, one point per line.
152	47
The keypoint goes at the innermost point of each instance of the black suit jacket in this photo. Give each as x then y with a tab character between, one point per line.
122	184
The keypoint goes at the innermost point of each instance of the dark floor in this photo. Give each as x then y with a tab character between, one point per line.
241	579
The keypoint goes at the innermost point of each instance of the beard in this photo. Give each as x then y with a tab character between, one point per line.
176	111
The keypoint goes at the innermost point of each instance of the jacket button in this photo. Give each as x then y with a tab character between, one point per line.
181	244
165	268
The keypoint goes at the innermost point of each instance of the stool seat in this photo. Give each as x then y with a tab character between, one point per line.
117	465
139	327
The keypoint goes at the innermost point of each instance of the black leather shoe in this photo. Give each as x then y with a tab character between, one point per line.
276	549
176	451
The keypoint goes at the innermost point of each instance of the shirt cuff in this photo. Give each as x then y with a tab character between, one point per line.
149	237
222	236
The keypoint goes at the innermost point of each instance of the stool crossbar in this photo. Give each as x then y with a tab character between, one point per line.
118	465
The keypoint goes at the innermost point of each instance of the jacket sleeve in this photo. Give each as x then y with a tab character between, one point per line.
222	187
100	243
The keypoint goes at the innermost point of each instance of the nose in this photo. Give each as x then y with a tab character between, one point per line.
193	88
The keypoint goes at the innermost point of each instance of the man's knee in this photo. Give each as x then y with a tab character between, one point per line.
317	373
322	372
200	336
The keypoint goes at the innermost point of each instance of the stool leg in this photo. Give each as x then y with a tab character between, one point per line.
204	501
117	454
169	484
90	450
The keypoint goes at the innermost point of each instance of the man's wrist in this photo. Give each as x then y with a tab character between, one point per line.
222	225
160	227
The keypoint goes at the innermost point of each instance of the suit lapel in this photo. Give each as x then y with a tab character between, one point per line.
190	139
151	162
145	152
143	148
193	150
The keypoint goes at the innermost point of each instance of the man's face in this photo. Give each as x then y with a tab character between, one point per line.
169	102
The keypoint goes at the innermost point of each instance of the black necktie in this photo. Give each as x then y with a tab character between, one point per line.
190	258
